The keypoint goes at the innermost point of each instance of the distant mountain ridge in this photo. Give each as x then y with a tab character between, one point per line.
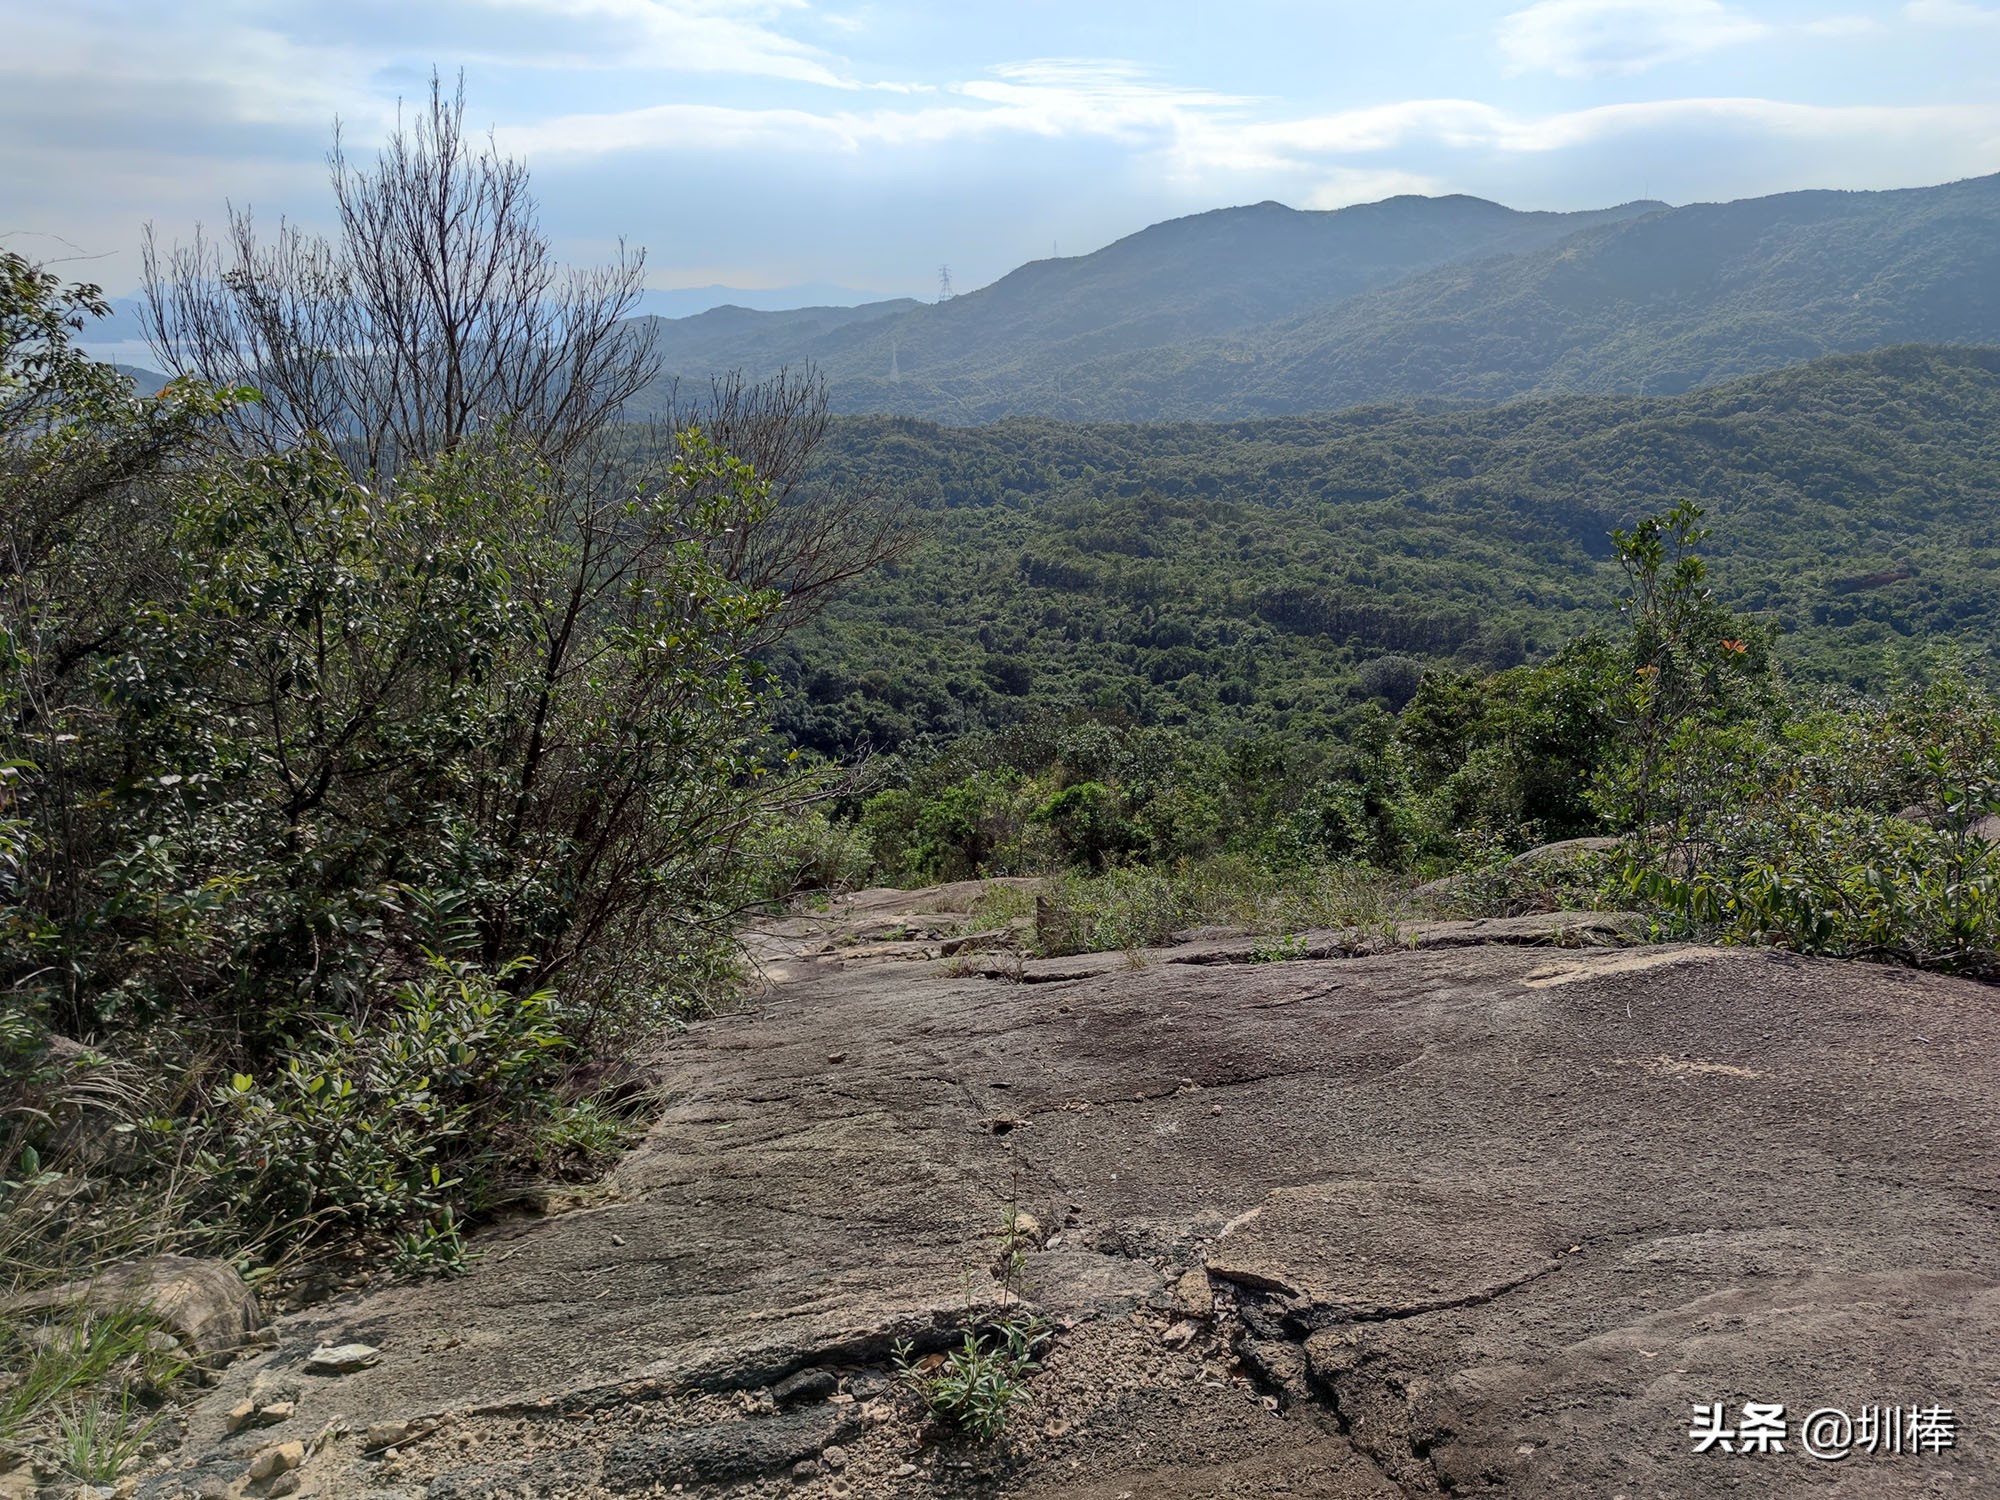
690	301
739	338
1263	310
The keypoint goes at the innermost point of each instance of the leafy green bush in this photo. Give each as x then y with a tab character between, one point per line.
1849	885
390	1118
802	849
1511	758
1083	818
1856	832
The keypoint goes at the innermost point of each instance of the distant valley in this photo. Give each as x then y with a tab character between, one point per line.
1238	576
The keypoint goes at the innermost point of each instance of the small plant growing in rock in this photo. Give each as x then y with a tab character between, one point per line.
98	1439
1279	949
78	1392
434	1249
977	1386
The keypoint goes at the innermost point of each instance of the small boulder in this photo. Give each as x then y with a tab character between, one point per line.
1193	1297
342	1359
803	1386
1181	1334
279	1458
204	1303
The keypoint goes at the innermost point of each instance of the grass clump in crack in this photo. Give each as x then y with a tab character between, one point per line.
81	1393
977	1386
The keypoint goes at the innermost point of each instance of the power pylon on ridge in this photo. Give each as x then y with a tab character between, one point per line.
944	283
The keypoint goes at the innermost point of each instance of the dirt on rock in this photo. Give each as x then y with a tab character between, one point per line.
1473	1209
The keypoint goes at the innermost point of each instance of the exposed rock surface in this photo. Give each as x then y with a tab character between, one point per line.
1473	1216
881	924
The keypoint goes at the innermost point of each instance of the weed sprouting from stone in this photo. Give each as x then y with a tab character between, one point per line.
978	1385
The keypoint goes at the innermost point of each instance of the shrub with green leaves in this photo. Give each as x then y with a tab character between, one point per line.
1510	759
392	1117
802	849
1860	831
1849	885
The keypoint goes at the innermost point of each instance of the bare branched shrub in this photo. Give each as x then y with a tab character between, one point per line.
437	313
816	537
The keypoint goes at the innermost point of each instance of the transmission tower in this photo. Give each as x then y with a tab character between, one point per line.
944	283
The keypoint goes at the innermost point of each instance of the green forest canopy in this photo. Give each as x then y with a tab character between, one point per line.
1239	577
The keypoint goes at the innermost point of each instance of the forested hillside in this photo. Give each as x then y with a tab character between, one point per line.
1243	577
1656	305
979	355
1264	310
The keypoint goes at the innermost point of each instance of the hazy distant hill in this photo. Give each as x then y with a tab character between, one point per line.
688	301
1655	305
1005	347
757	343
145	382
1262	310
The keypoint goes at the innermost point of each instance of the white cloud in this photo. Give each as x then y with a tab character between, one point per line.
1345	185
1197	136
112	112
1951	13
688	36
1049	97
1595	38
244	72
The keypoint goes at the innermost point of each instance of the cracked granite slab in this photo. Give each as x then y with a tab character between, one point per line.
1477	1217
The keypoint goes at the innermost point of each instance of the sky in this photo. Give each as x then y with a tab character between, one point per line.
864	144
